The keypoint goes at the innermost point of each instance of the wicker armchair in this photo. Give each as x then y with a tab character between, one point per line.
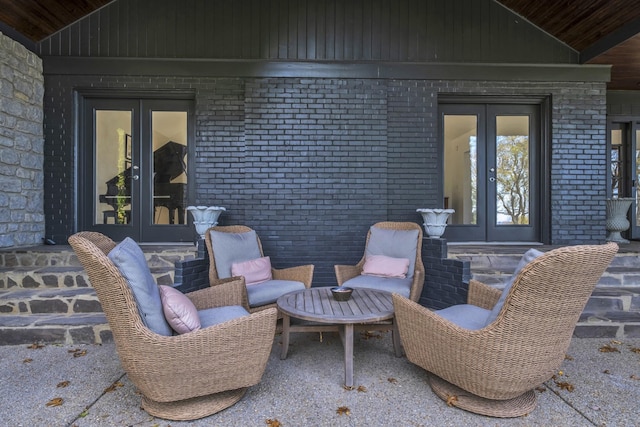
180	377
493	370
302	274
347	272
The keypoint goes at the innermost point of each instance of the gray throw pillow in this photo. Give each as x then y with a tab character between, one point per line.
130	260
528	256
233	247
395	244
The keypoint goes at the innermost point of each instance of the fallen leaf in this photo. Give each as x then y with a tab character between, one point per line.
560	373
392	380
36	346
567	357
27	360
615	342
348	388
541	389
343	410
273	423
634	377
362	389
635	350
451	400
608	349
565	386
367	335
78	352
113	387
606	371
63	384
57	401
84	413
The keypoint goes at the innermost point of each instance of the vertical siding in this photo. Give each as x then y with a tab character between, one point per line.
335	30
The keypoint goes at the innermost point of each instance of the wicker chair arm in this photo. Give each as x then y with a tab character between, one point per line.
224	294
183	366
346	272
482	295
301	273
416	285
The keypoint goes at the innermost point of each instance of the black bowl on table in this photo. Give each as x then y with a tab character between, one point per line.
341	293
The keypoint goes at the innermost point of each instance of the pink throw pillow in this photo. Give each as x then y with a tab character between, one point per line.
384	266
179	311
254	271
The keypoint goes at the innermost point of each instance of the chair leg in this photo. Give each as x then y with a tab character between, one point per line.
455	396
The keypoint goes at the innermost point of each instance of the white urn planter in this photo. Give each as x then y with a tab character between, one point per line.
205	217
617	221
435	221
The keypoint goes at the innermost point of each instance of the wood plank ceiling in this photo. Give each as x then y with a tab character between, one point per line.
603	31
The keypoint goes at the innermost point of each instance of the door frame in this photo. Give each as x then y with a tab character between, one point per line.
83	140
543	182
629	125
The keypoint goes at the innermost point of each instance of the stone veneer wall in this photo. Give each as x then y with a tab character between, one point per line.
21	145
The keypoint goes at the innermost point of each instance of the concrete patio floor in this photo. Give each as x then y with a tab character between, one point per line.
306	389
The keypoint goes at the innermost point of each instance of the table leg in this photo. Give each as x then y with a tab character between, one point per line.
286	322
395	337
348	355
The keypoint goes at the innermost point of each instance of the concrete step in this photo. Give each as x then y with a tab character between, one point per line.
613	310
64	276
46	296
81	328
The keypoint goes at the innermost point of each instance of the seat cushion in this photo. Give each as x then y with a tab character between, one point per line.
254	271
268	292
216	315
528	256
130	260
389	284
395	244
233	247
179	311
465	315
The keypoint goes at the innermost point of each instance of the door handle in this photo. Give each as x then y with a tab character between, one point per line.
135	177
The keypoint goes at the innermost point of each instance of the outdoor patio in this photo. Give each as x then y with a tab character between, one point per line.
599	386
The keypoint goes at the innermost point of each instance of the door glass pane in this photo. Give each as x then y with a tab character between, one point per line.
112	167
616	162
636	175
461	168
512	170
169	139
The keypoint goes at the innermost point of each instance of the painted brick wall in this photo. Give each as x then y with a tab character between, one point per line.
312	163
21	146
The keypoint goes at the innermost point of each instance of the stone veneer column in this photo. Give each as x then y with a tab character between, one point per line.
21	145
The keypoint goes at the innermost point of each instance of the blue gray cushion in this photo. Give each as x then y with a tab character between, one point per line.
528	256
216	315
465	315
395	244
389	284
268	292
130	260
233	247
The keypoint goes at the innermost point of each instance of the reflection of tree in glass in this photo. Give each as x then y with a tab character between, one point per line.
473	159
512	178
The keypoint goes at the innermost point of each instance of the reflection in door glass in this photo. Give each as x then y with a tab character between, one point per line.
512	170
637	174
169	133
112	167
461	168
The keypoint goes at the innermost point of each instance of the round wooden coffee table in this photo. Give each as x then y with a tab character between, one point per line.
317	305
